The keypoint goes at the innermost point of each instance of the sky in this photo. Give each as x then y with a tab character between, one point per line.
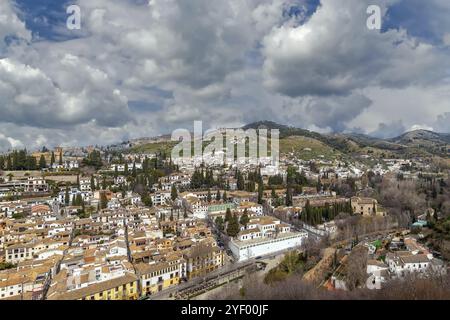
140	68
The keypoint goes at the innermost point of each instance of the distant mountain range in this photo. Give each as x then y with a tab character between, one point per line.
292	139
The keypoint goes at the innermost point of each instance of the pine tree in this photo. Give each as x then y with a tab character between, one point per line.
60	158
208	197
218	195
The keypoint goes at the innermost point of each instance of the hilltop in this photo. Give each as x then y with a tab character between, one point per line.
312	144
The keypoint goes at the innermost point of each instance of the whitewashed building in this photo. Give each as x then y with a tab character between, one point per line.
265	235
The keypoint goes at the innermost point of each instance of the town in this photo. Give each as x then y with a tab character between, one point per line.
115	223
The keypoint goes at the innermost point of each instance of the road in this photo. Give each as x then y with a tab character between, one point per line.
218	275
197	282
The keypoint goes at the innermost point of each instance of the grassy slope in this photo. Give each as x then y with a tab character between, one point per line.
298	144
330	146
154	147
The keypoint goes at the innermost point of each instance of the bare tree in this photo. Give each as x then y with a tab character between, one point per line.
355	268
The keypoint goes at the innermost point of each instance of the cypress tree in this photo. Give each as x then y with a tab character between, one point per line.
288	196
103	200
244	218
42	163
52	160
233	226
133	170
228	215
173	193
240	182
9	163
260	191
80	201
66	197
92	183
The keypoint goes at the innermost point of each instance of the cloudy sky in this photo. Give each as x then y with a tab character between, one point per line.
141	68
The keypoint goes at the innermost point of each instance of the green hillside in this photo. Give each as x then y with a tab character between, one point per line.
307	148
